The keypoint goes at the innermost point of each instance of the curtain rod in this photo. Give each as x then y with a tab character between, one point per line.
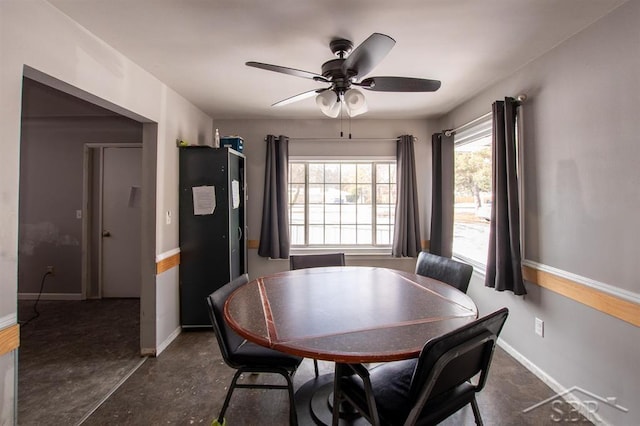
346	139
450	132
520	98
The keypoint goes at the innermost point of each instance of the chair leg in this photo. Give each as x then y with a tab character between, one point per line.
315	367
476	411
293	416
337	394
227	399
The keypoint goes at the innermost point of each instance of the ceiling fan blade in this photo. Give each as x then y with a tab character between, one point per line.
289	71
399	84
365	57
299	97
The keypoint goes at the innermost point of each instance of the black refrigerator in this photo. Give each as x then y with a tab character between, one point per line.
213	248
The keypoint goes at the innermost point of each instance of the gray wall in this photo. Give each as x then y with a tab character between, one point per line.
254	132
581	149
51	176
40	42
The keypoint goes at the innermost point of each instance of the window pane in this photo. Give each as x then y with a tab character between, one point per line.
296	173
332	194
316	173
382	234
382	173
382	194
297	215
332	173
348	214
332	234
349	194
364	214
316	234
332	213
348	235
316	194
364	173
348	173
383	214
363	194
297	235
296	193
472	209
364	234
316	213
392	173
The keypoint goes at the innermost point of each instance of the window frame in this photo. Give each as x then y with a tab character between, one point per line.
372	249
480	129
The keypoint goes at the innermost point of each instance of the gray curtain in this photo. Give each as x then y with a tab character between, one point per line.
442	181
274	232
504	266
406	238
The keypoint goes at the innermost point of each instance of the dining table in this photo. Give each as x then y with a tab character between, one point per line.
348	315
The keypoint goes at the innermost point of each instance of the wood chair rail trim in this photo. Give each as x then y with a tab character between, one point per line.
9	339
596	299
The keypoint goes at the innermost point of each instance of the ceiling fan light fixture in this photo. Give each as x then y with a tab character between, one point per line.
329	103
355	102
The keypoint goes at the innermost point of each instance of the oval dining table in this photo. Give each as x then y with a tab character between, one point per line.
348	315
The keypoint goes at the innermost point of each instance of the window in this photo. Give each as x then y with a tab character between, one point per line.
342	203
472	208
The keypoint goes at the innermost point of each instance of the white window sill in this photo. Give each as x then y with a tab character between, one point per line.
479	269
374	252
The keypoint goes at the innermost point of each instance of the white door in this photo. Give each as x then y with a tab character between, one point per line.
121	221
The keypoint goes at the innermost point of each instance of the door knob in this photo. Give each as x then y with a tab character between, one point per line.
106	233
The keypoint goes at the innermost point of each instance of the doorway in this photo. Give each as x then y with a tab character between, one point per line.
112	225
55	128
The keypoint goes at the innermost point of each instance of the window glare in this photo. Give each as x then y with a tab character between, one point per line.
472	206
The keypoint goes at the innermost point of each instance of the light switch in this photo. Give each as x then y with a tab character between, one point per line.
168	218
78	214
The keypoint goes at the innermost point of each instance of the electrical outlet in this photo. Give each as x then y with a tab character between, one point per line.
539	327
51	270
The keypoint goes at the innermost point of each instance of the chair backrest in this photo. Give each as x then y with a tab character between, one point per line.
452	272
315	260
228	340
454	358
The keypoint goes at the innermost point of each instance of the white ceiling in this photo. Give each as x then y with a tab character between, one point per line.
199	47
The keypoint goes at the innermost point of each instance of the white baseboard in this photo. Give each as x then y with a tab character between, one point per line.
558	388
50	296
162	346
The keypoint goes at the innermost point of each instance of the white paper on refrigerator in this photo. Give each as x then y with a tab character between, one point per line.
235	193
204	200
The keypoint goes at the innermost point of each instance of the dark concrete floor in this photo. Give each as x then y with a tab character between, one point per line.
72	355
187	383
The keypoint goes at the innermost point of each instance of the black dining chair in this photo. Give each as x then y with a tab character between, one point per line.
303	261
452	272
427	390
245	356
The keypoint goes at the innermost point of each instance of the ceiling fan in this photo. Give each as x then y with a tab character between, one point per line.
348	70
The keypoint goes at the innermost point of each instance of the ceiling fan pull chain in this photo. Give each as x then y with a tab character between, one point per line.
341	132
